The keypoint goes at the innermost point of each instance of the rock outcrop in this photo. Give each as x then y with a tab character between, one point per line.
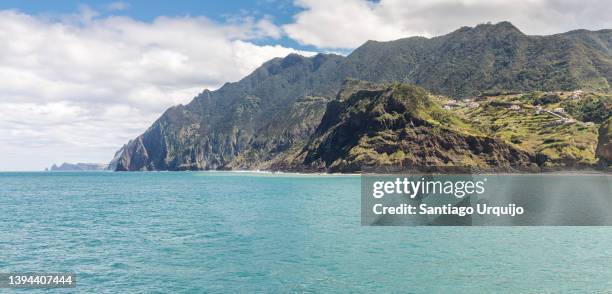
604	144
399	128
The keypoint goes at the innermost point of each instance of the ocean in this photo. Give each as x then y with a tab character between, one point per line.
228	232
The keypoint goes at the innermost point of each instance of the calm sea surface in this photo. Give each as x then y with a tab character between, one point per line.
240	232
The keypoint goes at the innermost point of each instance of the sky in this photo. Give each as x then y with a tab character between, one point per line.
78	79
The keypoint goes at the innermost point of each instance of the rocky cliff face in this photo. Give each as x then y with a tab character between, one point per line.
237	126
398	127
275	146
215	127
604	145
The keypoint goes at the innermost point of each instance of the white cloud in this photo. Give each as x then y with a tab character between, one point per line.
349	23
82	86
116	6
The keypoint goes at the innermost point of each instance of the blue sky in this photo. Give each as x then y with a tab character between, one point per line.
148	10
82	78
279	11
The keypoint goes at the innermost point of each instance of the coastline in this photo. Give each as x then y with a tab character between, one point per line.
323	174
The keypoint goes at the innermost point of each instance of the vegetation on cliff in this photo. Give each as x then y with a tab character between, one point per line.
604	147
400	127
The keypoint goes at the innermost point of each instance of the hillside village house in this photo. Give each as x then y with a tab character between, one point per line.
452	104
576	95
538	109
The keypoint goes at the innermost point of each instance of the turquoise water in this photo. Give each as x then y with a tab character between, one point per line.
237	232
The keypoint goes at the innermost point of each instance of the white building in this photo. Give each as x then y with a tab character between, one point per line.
575	95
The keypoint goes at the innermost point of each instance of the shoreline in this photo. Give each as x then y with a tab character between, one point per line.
324	174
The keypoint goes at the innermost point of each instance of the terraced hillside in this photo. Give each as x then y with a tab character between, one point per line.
556	127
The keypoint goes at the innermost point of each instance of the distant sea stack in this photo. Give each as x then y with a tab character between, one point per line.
283	115
79	167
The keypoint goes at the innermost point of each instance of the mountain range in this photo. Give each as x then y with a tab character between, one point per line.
385	106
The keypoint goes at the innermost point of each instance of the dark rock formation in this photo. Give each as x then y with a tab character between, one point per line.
398	127
604	144
276	144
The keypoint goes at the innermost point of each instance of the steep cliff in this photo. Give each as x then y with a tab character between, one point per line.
275	146
215	127
399	127
604	145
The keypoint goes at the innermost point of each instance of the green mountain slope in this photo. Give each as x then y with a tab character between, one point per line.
218	126
491	58
400	127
